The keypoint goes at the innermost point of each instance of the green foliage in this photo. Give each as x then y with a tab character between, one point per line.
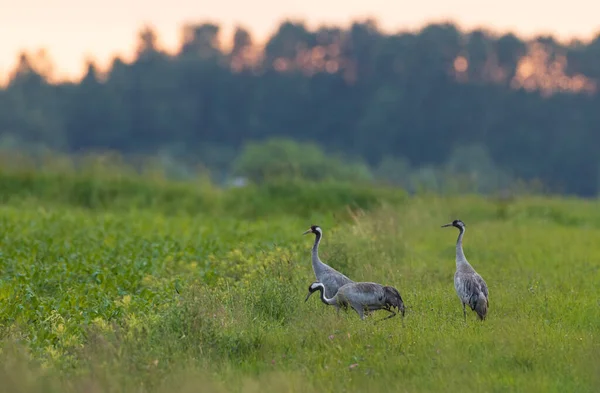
278	159
305	198
108	181
115	299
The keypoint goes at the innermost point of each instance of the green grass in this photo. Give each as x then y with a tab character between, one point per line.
110	299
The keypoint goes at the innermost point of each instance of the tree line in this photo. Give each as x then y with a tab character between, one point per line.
438	96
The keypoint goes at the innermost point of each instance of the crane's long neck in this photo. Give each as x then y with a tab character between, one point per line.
460	254
318	265
325	299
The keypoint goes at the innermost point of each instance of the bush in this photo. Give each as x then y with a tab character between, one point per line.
279	158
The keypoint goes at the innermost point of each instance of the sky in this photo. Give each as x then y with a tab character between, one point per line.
72	31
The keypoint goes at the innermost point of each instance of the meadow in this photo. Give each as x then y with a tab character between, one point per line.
124	284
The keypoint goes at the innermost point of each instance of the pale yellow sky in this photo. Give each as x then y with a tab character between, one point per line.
72	30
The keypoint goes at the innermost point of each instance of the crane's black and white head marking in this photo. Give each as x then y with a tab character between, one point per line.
314	229
456	223
315	286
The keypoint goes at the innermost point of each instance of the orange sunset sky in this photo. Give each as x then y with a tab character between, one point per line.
73	30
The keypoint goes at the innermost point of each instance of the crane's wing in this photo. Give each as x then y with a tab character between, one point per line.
469	286
342	280
475	286
483	286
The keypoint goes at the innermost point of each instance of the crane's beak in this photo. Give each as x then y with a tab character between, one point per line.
447	225
307	296
308	231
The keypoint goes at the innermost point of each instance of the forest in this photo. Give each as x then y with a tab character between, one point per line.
423	103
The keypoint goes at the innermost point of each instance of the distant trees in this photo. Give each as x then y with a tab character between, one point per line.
413	106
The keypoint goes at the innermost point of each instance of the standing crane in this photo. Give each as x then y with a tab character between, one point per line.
363	297
470	286
331	279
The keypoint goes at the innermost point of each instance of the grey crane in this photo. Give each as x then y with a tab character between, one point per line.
363	297
331	279
470	286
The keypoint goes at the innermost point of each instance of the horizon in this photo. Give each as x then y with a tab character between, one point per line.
68	52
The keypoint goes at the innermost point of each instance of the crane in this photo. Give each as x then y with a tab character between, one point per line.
363	297
470	286
331	279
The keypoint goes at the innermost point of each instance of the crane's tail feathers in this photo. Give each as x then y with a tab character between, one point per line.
481	307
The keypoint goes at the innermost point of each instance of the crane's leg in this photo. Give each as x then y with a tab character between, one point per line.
359	310
362	315
465	311
393	314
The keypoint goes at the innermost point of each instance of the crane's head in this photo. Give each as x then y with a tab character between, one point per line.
393	299
456	223
314	229
312	288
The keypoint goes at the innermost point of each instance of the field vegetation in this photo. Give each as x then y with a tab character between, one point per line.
114	281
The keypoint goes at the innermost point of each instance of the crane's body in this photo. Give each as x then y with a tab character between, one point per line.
470	287
363	297
331	279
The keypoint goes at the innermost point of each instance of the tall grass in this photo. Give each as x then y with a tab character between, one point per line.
110	183
137	293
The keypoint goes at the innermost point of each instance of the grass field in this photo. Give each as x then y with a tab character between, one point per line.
106	298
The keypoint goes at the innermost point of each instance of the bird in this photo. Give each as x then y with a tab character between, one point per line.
363	297
470	287
331	279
